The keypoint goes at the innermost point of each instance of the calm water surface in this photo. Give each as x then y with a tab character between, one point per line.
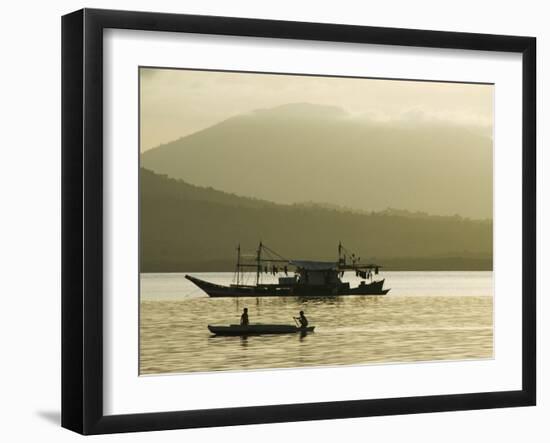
426	316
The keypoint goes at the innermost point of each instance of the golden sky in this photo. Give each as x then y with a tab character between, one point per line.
175	102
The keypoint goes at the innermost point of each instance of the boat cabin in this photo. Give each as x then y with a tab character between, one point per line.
316	273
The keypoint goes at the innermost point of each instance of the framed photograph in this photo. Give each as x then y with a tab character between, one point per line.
269	221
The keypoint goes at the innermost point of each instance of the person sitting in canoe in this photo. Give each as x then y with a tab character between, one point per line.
302	319
244	317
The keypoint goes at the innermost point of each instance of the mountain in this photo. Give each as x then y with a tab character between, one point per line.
191	228
311	153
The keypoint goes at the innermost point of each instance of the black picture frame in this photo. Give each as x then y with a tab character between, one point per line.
82	218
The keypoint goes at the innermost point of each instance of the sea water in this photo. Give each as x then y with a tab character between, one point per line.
427	316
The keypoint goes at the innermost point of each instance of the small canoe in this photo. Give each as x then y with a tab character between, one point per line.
257	329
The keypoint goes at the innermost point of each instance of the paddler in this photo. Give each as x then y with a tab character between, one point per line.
244	317
302	319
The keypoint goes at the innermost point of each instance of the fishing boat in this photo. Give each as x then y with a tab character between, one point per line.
258	329
297	278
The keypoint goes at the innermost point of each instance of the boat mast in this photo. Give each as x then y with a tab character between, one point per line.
238	263
258	263
340	261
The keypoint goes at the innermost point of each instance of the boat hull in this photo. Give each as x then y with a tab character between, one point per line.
238	330
214	290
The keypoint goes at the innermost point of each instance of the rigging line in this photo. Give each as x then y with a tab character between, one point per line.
347	252
192	293
274	253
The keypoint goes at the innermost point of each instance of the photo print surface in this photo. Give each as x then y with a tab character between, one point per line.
294	221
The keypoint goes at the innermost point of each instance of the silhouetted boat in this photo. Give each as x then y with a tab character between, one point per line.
310	278
258	329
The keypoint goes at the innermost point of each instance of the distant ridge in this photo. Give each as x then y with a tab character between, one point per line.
306	152
303	111
190	228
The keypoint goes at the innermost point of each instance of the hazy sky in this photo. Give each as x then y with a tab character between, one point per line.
175	103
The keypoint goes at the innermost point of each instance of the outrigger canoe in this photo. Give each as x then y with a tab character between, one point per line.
258	329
